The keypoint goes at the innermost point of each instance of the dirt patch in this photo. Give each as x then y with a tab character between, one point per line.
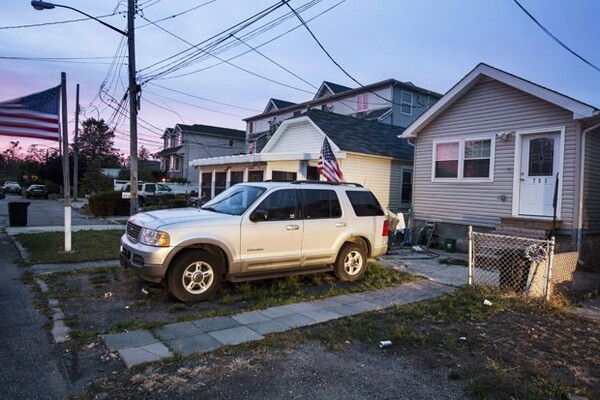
449	348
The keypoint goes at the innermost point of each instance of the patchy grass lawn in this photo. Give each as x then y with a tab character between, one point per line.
111	299
452	347
48	247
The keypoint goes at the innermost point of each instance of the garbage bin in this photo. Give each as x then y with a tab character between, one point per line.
17	213
450	245
513	270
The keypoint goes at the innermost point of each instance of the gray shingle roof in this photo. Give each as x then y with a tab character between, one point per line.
213	130
336	88
282	103
362	136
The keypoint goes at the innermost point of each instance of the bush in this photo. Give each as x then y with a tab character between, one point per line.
178	203
108	203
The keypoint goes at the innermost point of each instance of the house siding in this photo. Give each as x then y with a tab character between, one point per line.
591	195
299	137
488	108
383	178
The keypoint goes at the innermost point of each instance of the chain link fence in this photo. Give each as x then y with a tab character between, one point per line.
514	264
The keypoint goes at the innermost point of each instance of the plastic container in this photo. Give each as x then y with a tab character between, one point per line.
17	213
450	245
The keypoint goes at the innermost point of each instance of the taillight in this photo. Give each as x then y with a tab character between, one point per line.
386	227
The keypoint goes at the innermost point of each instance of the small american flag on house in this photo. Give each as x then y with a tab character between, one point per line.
328	165
33	116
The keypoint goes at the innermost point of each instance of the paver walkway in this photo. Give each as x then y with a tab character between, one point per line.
202	335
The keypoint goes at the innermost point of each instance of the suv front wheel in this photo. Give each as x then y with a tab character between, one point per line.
351	263
195	276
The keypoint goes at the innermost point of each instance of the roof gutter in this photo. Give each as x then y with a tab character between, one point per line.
581	177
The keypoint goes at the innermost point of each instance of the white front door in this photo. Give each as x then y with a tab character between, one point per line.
540	162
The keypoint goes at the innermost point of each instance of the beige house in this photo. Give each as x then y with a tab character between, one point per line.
494	149
368	152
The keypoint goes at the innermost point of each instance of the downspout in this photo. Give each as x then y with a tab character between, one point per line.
581	177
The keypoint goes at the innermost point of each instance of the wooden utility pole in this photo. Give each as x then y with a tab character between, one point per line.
133	109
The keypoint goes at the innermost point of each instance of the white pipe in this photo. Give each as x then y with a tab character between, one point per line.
67	229
581	177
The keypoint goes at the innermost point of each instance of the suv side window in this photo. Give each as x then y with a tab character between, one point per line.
364	203
319	204
280	205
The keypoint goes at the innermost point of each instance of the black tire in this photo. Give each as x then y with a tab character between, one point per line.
195	276
351	263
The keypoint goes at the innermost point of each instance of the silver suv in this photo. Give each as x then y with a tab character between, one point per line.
256	231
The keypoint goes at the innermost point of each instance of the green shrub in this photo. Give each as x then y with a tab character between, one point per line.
178	203
108	203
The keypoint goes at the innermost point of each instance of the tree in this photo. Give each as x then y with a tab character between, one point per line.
96	143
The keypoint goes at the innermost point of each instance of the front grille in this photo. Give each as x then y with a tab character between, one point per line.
133	232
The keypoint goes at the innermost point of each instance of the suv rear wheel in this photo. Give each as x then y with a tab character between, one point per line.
351	263
195	276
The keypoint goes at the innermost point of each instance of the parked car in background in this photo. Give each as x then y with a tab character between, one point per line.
36	191
145	190
11	187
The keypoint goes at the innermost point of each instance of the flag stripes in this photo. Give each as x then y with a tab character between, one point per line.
328	165
33	116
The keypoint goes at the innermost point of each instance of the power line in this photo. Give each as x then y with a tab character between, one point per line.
64	60
227	62
196	106
180	13
203	98
557	40
56	22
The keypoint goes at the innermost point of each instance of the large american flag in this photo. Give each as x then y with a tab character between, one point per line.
328	165
34	116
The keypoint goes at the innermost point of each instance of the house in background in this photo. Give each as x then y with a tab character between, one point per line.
390	101
184	143
368	152
489	152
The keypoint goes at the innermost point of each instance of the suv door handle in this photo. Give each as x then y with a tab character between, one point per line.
292	227
340	225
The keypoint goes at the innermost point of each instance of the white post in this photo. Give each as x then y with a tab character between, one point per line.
550	251
470	277
67	228
65	162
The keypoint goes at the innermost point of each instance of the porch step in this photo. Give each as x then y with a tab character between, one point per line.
527	227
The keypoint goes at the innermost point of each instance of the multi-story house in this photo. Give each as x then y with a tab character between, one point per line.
184	143
390	101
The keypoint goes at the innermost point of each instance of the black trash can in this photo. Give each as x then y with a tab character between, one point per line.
514	271
17	213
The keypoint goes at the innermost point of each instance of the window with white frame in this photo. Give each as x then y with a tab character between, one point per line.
362	102
463	159
406	103
175	163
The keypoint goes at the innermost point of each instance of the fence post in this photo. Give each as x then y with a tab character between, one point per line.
470	255
550	251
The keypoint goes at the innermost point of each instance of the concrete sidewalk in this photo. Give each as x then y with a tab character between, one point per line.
203	335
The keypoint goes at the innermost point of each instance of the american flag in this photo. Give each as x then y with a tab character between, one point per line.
34	116
328	165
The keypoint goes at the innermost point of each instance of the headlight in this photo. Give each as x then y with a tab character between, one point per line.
154	238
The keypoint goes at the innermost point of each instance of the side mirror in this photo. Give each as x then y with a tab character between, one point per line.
259	215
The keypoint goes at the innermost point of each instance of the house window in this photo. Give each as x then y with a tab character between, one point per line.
175	163
255	176
406	189
283	176
406	103
464	159
251	127
477	158
220	182
206	186
236	177
312	173
362	102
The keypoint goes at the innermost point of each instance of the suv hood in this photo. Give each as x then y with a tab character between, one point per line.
180	216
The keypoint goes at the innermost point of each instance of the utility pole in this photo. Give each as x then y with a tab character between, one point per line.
133	109
65	161
76	147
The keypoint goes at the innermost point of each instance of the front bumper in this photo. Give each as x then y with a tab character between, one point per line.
149	262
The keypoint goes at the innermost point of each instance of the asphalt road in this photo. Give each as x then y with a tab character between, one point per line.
31	366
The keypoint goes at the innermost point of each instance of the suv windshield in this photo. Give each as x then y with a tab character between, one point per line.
235	200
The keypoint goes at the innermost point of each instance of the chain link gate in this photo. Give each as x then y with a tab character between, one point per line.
512	263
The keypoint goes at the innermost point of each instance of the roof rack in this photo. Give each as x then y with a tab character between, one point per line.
300	182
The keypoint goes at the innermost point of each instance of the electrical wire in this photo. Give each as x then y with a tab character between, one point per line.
557	40
56	22
203	98
179	14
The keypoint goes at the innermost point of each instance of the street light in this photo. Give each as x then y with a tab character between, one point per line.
133	88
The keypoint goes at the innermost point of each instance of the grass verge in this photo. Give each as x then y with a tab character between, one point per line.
48	247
